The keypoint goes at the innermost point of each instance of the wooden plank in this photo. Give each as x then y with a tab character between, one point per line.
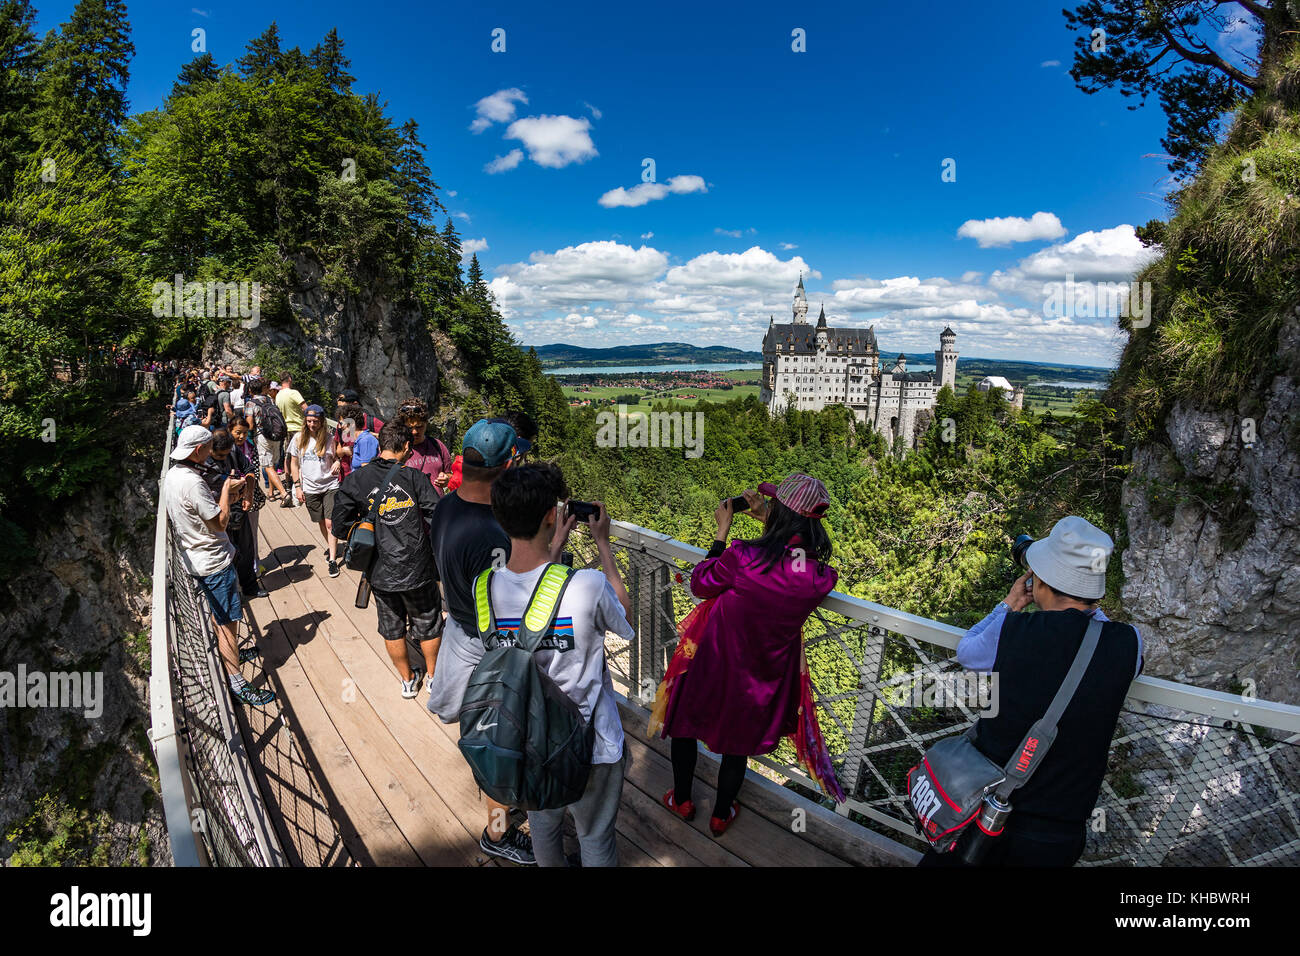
422	816
368	830
826	829
752	837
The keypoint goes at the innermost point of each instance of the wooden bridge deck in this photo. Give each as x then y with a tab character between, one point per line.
377	780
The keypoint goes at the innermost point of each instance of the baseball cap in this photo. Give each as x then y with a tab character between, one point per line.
802	494
350	396
1072	558
314	410
274	385
190	440
522	445
494	440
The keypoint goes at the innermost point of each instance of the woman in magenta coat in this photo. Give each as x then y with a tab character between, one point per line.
738	680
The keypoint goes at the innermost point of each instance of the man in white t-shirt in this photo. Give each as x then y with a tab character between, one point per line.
524	502
198	519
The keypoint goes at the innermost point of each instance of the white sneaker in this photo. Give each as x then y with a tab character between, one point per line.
428	684
411	687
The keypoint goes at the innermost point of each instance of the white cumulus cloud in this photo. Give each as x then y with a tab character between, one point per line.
1003	231
642	193
470	246
554	141
497	108
504	163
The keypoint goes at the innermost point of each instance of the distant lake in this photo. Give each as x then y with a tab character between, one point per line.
633	369
1098	386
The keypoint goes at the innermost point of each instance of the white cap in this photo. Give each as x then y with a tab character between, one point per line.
274	385
1072	558
191	438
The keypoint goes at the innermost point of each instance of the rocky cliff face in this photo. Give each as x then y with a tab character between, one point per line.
1212	570
364	341
82	605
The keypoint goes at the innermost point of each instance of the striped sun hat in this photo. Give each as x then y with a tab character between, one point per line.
802	494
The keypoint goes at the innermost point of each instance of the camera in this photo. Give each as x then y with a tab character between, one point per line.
582	510
1018	549
738	504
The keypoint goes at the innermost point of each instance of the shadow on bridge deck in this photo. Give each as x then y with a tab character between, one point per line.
355	775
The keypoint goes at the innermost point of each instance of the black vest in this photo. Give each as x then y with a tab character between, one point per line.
1034	653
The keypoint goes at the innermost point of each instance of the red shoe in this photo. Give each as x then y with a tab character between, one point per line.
718	826
685	811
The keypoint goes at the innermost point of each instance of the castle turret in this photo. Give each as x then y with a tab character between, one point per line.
822	331
800	303
945	359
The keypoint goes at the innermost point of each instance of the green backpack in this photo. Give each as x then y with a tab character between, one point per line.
523	737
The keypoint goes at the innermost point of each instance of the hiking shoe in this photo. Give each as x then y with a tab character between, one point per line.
249	654
411	687
333	567
515	846
252	696
685	810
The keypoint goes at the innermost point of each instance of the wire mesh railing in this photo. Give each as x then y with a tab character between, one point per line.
1195	777
215	813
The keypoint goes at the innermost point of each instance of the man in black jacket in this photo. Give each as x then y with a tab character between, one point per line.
403	578
1030	654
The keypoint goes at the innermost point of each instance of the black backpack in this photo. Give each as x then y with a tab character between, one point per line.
523	737
273	427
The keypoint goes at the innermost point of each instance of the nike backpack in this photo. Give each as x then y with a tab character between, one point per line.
523	737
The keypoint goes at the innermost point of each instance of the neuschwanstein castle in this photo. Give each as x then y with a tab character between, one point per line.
820	366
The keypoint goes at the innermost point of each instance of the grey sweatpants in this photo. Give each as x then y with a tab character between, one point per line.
593	817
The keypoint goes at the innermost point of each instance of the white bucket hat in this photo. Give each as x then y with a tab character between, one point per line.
1072	558
191	438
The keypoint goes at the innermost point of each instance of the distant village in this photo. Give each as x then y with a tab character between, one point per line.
681	384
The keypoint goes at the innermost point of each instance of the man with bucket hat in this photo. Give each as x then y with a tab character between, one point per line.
1031	653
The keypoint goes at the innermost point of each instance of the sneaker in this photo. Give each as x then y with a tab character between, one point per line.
685	810
249	654
515	846
411	687
428	684
252	696
333	568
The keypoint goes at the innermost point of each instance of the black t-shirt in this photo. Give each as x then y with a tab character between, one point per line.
466	540
403	560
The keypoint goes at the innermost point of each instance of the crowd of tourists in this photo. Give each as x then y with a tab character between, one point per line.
466	557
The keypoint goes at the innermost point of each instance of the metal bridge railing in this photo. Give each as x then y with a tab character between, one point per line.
215	813
1196	777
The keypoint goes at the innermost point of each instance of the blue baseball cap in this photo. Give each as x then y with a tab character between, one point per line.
314	410
496	441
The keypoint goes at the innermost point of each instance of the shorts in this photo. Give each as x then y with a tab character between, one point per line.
421	606
268	452
320	506
222	591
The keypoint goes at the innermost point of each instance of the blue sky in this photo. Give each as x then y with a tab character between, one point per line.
767	162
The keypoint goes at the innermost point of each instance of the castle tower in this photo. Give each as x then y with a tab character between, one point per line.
800	304
945	359
822	332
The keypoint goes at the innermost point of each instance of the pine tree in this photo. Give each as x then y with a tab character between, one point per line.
262	62
198	72
82	84
328	60
413	177
18	66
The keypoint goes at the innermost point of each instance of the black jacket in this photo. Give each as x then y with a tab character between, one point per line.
404	559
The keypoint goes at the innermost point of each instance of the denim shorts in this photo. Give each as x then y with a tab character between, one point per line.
222	590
